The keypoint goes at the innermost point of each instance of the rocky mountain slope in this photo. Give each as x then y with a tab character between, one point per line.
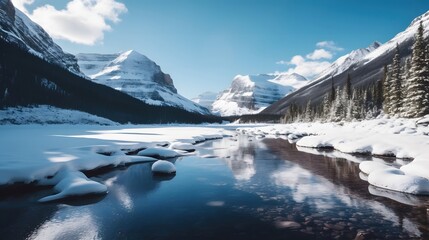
365	70
17	28
35	71
136	75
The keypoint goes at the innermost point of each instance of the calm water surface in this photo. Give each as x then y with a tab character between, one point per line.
254	189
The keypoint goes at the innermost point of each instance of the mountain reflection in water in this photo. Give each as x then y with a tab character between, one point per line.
253	189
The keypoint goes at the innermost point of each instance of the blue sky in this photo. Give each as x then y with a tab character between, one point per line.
203	44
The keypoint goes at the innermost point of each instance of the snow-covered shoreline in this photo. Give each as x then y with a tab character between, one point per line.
395	137
46	114
55	155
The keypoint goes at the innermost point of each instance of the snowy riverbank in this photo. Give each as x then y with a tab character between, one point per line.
55	155
401	138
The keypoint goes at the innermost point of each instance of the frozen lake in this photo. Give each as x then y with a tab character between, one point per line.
247	189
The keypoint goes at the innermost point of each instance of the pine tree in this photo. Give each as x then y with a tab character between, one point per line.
405	76
332	95
387	87
339	109
395	90
326	107
417	85
348	88
357	104
308	114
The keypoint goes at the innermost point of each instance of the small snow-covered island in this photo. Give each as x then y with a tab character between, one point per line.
98	141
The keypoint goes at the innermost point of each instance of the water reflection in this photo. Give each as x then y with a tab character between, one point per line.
78	225
255	189
238	154
404	198
305	185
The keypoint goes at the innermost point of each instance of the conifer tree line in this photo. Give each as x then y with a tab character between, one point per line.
403	91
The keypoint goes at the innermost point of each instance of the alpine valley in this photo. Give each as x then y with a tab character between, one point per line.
35	71
104	143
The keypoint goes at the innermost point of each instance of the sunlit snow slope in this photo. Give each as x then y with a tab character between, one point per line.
136	75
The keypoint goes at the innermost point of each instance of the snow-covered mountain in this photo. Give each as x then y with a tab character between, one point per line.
364	68
17	28
136	75
403	39
343	63
250	94
206	99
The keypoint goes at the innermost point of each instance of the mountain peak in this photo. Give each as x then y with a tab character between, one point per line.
423	17
374	45
249	94
346	61
131	55
135	74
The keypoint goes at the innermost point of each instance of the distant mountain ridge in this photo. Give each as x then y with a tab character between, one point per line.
365	70
138	76
250	94
206	99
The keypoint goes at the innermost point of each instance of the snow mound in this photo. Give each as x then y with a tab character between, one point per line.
73	183
419	166
397	180
368	167
163	167
158	153
183	146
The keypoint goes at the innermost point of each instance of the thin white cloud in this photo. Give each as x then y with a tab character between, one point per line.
313	63
319	54
20	4
82	21
329	45
306	67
